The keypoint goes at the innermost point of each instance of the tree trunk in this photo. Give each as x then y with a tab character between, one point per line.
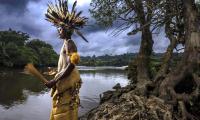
166	61
192	47
161	74
188	66
143	58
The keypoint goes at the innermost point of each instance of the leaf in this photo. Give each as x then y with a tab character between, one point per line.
133	32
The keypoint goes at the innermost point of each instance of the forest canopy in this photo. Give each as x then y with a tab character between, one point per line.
17	50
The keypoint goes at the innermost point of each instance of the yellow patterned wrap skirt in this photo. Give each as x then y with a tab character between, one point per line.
65	98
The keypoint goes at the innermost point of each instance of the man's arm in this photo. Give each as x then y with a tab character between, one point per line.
66	73
71	47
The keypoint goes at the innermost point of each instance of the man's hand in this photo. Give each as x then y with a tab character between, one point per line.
51	83
66	73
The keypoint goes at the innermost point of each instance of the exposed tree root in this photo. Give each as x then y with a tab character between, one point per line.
132	107
185	114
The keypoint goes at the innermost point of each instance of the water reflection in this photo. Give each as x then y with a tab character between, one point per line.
23	97
13	87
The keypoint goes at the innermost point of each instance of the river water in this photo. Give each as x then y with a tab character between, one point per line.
22	97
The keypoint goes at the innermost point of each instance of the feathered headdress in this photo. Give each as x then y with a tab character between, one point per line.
60	16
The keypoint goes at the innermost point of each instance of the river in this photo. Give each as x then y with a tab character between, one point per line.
22	97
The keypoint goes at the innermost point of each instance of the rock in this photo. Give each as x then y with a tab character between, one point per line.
117	86
106	96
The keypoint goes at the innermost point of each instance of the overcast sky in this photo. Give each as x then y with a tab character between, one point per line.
29	16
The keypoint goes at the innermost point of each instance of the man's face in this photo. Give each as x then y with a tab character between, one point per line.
64	33
61	33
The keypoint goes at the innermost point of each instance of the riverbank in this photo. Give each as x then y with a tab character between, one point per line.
124	104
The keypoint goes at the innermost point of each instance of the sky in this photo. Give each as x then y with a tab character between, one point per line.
29	16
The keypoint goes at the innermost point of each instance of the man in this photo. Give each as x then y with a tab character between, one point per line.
66	84
65	98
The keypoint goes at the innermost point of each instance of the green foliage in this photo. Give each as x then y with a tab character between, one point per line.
197	3
19	56
16	51
107	12
154	65
107	60
36	43
132	72
16	37
44	51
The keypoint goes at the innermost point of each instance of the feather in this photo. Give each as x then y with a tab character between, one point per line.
81	35
78	14
73	7
59	15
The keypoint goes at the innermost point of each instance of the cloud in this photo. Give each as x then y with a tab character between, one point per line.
15	6
28	16
160	43
101	43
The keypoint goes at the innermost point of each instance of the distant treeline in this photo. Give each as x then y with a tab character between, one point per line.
107	60
121	60
16	50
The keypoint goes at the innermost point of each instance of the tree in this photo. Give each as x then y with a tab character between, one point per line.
17	37
44	51
172	93
16	51
139	15
189	64
12	48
